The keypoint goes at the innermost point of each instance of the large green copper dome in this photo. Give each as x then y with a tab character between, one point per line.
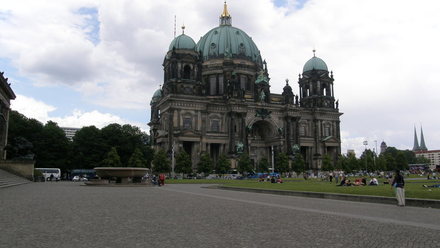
183	42
228	42
315	63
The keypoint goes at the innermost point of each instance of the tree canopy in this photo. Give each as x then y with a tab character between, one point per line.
183	163
205	164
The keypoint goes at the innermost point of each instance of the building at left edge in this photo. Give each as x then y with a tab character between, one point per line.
6	95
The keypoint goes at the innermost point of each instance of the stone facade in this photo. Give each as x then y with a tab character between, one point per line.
222	104
6	95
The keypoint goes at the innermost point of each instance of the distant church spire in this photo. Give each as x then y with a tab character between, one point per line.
422	141
225	17
416	146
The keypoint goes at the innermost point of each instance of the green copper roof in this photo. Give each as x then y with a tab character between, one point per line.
157	96
226	41
315	63
183	42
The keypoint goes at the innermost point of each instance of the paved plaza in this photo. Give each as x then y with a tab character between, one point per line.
66	214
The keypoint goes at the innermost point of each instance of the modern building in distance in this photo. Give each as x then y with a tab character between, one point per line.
6	95
216	98
70	132
351	152
433	156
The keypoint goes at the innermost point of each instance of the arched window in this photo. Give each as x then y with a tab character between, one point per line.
212	85
243	82
187	72
220	84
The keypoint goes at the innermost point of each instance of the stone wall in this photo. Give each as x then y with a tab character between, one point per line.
23	168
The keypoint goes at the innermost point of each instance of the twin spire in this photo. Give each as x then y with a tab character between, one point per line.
422	146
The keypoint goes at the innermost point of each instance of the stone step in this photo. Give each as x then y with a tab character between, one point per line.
8	179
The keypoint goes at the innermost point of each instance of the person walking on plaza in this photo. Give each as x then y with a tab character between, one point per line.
399	184
161	179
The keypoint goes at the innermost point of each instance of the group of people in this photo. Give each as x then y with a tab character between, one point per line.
397	182
272	179
158	180
358	182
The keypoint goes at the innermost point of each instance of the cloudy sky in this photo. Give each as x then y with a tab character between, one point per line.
85	62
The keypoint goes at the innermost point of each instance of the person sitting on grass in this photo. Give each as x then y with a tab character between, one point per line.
358	182
342	181
432	186
272	180
373	182
348	183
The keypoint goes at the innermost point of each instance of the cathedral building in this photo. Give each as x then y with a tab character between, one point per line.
216	98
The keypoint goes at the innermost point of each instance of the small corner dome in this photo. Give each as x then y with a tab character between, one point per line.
157	96
315	63
183	41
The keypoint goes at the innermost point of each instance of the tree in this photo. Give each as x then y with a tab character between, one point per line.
205	164
52	148
390	162
367	161
244	164
327	163
23	133
282	163
263	165
381	163
137	159
341	163
149	155
401	162
353	163
125	138
89	149
422	160
161	162
183	163
223	165
298	164
112	159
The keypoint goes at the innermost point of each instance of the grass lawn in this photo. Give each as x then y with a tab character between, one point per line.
413	189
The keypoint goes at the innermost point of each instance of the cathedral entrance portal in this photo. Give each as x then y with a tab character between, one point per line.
260	137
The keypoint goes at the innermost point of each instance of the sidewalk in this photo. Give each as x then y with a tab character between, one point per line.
426	203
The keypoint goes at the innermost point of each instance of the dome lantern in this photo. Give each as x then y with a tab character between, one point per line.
225	17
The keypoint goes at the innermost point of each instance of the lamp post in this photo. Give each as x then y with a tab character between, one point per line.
273	160
375	154
173	160
365	153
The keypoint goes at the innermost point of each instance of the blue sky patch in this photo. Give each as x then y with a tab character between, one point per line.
299	4
5	15
92	23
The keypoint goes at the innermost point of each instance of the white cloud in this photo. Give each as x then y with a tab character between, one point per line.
383	58
40	111
32	108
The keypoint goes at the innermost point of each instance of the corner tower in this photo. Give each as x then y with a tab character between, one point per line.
182	67
316	85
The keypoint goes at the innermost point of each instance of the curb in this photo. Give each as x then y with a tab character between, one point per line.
425	203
